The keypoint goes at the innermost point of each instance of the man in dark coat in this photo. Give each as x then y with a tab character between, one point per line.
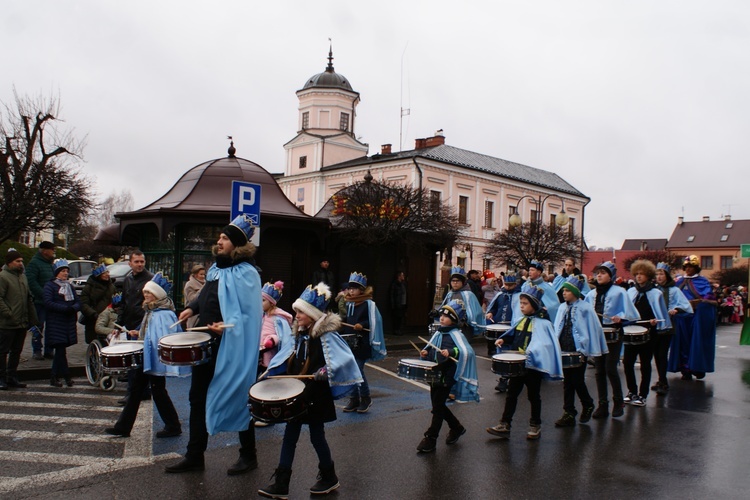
38	273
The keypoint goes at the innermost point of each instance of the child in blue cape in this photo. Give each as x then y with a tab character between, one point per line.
456	363
317	350
533	335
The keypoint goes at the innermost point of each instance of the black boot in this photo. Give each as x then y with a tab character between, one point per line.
15	383
243	464
54	382
327	481
69	381
280	488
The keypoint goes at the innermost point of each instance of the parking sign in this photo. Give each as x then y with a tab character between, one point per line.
246	200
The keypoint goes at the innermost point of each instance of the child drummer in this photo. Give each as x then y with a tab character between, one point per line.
533	335
578	330
317	350
458	374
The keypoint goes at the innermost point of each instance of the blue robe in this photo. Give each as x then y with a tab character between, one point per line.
616	303
157	327
543	352
237	362
677	300
587	329
693	346
377	339
474	313
467	382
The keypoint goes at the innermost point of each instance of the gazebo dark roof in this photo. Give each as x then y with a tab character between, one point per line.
203	196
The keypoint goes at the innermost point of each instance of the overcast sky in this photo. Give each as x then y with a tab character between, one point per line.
641	105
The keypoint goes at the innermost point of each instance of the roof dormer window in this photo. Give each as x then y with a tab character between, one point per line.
691	238
724	237
729	225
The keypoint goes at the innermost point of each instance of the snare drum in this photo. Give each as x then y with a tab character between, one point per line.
572	359
418	369
509	364
611	334
185	349
277	400
121	357
634	335
494	330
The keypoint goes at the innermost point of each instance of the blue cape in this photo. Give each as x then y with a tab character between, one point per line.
158	326
377	339
503	297
237	362
543	352
659	308
474	313
616	303
467	383
587	330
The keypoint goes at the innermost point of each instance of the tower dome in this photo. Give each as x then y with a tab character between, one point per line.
329	78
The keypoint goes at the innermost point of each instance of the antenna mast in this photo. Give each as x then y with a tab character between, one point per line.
404	112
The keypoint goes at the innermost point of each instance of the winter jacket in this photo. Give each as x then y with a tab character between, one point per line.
96	296
16	303
38	273
132	300
105	322
62	317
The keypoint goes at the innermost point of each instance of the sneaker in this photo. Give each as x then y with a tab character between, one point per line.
601	411
500	430
364	405
638	401
567	420
535	431
454	434
352	405
586	414
618	408
427	445
629	398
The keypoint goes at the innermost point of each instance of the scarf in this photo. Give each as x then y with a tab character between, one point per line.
65	290
165	303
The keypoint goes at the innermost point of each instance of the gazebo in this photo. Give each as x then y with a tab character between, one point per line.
178	230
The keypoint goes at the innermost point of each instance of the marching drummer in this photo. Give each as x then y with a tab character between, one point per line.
613	306
649	301
364	323
533	335
500	311
460	291
317	351
276	324
458	374
579	331
156	323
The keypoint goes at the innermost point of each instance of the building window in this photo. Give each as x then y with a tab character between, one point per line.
571	226
302	161
489	216
300	195
724	237
344	121
434	201
726	262
534	216
691	239
305	120
707	262
729	225
463	209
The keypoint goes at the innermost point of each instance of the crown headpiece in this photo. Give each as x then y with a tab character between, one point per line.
273	291
358	279
163	282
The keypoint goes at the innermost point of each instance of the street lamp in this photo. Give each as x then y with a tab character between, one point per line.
561	219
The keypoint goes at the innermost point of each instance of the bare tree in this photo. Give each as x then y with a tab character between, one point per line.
112	204
518	246
369	213
41	186
655	256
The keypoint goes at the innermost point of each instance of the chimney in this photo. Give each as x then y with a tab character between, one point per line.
727	218
644	246
680	220
436	140
706	218
420	143
385	149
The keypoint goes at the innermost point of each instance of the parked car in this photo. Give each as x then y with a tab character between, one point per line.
80	267
117	273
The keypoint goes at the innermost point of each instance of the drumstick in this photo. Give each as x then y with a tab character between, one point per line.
293	376
122	328
347	324
174	324
649	321
436	347
416	347
205	328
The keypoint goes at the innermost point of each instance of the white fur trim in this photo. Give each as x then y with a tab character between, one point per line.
310	310
155	289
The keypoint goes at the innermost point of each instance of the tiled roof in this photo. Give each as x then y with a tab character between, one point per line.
710	234
471	160
647	244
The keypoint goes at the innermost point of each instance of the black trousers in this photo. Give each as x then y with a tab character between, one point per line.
196	447
575	383
606	368
439	392
660	343
533	383
161	399
11	345
644	352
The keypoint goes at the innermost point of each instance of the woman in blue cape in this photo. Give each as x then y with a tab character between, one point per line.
318	350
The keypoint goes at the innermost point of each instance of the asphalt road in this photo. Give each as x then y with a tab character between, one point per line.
689	444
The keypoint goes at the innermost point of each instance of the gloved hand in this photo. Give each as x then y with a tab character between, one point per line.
432	314
321	375
358	327
268	343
